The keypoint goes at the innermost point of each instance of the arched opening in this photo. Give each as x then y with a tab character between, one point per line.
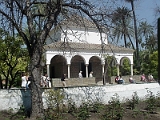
58	66
96	67
77	64
125	68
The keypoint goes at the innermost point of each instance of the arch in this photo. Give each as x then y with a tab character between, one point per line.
124	68
58	66
95	65
77	64
114	61
122	60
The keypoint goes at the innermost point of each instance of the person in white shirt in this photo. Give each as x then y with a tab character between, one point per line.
80	74
24	80
46	81
91	74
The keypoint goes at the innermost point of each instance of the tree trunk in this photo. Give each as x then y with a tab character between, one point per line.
136	36
36	91
158	35
1	85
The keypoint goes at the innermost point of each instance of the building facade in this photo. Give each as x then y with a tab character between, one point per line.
73	47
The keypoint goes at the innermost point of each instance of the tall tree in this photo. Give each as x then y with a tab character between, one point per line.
13	58
21	13
145	34
145	29
121	19
135	29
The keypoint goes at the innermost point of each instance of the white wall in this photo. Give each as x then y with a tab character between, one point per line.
54	36
13	98
105	93
81	35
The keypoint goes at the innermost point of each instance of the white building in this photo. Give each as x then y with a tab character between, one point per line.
77	46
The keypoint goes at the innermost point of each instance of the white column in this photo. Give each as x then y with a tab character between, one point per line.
118	69
86	70
69	71
102	69
132	69
48	72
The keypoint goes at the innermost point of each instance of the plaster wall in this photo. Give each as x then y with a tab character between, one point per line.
82	36
86	56
14	98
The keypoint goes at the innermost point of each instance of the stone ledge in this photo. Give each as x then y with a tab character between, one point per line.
74	82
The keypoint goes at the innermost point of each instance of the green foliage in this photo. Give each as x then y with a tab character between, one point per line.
125	68
110	63
151	102
54	100
158	99
96	107
149	63
72	107
114	110
153	64
13	59
83	111
134	101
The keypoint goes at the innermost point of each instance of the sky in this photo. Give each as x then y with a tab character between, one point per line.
145	10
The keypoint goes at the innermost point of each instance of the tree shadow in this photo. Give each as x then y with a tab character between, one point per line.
26	98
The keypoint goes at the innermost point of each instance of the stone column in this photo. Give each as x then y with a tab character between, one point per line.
102	69
132	69
118	69
86	70
48	72
69	71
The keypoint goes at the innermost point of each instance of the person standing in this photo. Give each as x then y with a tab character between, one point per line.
80	74
28	81
46	81
63	79
91	74
24	80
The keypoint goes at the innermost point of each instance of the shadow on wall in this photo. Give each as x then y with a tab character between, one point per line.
26	98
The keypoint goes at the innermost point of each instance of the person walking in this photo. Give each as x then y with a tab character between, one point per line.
63	79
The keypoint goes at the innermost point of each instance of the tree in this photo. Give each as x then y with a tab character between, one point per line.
121	18
13	58
125	68
153	64
145	31
135	29
19	14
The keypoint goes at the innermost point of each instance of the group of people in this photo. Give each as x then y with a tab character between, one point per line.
81	76
64	77
149	79
119	80
45	81
26	80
